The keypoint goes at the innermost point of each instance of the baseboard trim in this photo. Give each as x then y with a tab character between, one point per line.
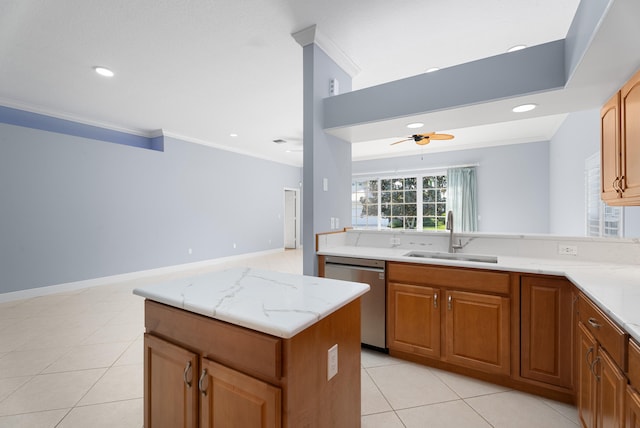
114	279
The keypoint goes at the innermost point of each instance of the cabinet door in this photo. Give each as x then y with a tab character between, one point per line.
611	391
414	319
610	149
170	391
230	399
546	330
477	331
586	397
630	106
632	408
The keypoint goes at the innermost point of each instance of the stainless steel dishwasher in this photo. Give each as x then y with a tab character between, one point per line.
373	303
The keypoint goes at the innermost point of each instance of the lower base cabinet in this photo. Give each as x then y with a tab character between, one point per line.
547	326
632	408
477	331
184	390
455	316
228	395
171	394
201	372
601	385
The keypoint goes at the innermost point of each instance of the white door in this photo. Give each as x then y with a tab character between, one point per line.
290	219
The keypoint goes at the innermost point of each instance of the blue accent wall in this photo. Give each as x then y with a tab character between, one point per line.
27	119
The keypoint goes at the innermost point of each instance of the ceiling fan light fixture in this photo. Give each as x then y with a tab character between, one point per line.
233	134
523	108
415	125
103	71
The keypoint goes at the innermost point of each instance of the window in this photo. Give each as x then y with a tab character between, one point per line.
404	202
602	220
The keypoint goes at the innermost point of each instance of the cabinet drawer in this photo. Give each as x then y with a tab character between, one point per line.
458	278
234	346
610	336
634	364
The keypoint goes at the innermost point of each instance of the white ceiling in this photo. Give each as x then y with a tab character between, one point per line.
203	69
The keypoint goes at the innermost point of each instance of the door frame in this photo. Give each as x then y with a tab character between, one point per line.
297	243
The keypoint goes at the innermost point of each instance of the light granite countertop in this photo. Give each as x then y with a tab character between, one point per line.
615	288
280	304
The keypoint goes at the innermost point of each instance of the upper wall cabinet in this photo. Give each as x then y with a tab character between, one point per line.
620	139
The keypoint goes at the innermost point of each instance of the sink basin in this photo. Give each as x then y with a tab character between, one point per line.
453	256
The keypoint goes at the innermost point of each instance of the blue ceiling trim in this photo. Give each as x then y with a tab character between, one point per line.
27	119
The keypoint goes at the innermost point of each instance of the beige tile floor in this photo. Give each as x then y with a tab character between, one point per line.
74	359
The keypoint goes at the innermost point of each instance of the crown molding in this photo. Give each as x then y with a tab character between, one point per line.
73	118
311	35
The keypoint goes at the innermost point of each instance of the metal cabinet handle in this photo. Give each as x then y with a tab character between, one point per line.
590	351
201	387
449	303
621	184
435	300
594	323
596	361
187	370
615	185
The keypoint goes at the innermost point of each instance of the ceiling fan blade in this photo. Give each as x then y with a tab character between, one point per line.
401	141
441	137
423	142
428	134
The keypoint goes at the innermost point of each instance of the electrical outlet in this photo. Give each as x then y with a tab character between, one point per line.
568	250
332	361
333	223
394	241
337	223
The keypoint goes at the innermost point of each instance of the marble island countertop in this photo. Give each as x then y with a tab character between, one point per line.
275	303
615	288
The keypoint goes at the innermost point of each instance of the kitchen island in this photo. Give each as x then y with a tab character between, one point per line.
246	347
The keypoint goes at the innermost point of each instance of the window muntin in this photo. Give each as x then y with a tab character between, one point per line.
395	202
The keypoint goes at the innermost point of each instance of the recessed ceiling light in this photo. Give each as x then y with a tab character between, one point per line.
432	69
524	107
103	71
233	135
516	48
415	125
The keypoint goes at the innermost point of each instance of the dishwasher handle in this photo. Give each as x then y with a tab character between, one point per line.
353	267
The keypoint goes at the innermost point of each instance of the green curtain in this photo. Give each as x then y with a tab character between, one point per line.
462	198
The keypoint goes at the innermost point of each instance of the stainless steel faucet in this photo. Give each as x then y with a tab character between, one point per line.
449	226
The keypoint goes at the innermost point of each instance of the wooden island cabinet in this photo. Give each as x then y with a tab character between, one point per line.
202	371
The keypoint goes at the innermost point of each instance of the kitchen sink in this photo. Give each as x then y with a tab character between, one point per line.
453	256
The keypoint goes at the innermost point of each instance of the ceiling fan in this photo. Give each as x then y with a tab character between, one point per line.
423	139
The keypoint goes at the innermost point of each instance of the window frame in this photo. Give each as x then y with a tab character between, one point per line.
418	218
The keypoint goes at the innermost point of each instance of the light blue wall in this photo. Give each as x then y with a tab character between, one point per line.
536	69
73	208
512	183
577	139
325	156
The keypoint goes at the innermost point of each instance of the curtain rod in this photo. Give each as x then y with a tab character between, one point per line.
405	171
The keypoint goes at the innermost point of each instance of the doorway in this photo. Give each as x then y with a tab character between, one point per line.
291	214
